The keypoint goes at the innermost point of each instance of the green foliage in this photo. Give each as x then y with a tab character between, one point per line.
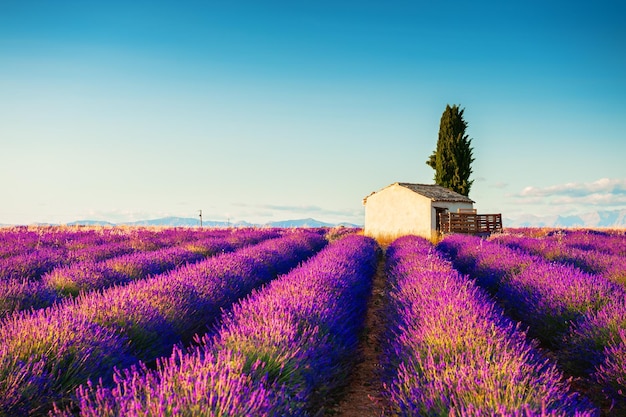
452	158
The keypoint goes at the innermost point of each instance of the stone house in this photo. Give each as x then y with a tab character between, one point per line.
410	209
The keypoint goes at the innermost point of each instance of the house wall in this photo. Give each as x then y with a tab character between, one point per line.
397	211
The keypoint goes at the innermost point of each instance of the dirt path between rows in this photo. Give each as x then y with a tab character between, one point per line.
362	397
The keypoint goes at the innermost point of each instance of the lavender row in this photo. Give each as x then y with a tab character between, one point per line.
607	241
69	280
281	352
164	309
31	265
72	237
23	239
20	294
451	351
88	276
611	241
63	281
579	315
596	346
31	258
46	354
611	264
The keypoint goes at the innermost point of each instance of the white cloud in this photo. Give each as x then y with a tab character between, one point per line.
592	199
612	186
605	192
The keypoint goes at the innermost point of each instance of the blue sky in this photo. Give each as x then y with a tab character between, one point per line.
264	111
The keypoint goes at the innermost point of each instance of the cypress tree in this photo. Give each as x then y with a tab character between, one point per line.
452	158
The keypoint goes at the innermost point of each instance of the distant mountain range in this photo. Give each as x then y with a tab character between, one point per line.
191	222
595	219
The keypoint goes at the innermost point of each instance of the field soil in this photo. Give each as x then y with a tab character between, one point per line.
362	397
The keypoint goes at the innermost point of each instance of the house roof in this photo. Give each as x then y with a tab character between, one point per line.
432	191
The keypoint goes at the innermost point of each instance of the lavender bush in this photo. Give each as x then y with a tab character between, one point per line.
69	280
280	352
46	354
147	317
607	241
451	351
599	257
31	265
544	295
579	315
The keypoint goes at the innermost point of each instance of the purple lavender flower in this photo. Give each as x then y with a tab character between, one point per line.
453	352
580	315
44	355
61	347
279	352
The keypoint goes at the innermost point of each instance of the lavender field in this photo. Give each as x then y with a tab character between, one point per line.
270	322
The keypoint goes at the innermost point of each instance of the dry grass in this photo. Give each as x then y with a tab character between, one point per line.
384	240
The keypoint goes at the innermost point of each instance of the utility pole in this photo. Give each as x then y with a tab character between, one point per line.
200	217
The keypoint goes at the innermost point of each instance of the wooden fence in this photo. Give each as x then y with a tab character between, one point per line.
470	223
